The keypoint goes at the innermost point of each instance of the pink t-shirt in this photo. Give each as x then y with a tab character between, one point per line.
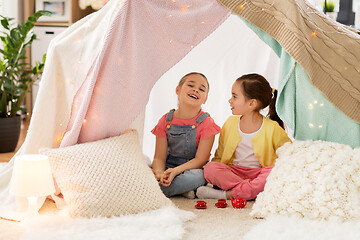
204	130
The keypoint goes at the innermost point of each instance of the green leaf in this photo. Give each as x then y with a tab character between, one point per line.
17	76
5	23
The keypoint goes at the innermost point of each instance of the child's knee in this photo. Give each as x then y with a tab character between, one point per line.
211	168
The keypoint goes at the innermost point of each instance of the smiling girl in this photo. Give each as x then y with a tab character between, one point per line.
247	144
184	138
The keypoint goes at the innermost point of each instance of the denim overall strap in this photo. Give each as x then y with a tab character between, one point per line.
181	140
202	117
170	115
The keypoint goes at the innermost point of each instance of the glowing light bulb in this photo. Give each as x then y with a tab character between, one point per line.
84	121
241	6
171	41
310	106
315	102
320	126
311	125
314	34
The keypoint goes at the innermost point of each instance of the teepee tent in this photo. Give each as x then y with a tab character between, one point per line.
100	72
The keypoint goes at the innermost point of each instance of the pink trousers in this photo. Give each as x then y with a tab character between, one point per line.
244	182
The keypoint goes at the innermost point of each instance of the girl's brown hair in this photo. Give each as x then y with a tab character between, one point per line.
182	80
255	86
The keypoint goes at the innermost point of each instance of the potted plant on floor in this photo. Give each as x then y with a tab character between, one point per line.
17	76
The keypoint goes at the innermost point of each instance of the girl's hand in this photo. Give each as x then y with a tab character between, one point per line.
169	176
157	174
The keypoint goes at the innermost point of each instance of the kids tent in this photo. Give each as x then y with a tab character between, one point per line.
100	72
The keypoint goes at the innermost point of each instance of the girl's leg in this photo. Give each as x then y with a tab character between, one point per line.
185	182
253	185
224	176
221	175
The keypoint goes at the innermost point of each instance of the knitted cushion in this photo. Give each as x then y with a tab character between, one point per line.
106	178
313	179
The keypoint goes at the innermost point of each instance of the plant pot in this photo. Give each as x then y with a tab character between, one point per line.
9	133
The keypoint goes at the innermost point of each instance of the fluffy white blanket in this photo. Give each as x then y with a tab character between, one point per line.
285	228
165	223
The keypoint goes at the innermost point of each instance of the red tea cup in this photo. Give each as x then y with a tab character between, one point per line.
221	203
200	204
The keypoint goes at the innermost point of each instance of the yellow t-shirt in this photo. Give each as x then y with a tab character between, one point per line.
270	138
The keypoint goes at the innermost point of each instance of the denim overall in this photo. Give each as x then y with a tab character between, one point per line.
181	149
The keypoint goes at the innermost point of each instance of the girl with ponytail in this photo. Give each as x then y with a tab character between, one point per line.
247	143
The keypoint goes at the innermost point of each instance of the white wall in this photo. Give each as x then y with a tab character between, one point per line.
12	8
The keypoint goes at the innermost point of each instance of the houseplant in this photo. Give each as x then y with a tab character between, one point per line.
17	76
329	9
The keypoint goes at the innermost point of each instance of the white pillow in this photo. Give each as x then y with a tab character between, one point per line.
106	178
313	179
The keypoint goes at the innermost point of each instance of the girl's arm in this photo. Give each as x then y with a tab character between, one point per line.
158	165
201	157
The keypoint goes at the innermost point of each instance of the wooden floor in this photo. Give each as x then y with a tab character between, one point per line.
5	157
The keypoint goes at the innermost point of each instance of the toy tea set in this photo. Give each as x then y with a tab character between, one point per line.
237	202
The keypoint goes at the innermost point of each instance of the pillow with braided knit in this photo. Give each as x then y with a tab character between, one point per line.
106	178
313	179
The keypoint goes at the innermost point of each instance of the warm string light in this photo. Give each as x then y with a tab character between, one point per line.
312	11
242	6
311	106
59	139
184	8
321	14
339	29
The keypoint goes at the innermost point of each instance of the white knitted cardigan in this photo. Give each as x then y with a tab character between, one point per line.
327	50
